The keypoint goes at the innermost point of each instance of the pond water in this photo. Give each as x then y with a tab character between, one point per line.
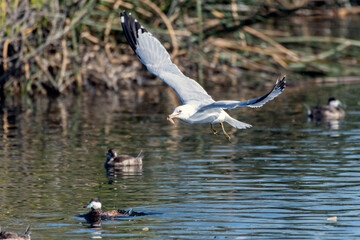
285	178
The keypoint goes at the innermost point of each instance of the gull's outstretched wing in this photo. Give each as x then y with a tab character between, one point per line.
157	60
253	103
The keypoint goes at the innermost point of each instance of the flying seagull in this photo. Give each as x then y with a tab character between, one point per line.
198	106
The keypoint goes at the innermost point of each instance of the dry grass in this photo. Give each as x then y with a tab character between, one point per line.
47	47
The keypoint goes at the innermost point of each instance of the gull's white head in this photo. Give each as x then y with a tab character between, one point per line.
94	204
182	112
334	102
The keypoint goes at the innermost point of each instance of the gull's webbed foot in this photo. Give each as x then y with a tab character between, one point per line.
225	133
213	129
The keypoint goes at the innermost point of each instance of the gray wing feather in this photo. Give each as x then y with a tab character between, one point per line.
157	60
253	103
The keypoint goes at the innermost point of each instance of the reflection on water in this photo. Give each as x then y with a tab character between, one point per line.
281	179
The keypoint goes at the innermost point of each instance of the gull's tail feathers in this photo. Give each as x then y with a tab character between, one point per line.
237	124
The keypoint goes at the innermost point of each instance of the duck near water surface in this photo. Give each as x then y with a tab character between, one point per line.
113	160
15	236
333	111
96	214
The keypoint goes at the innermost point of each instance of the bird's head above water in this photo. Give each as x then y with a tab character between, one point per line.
111	154
182	112
94	204
334	102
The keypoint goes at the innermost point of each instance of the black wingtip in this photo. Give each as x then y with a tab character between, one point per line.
127	23
280	83
28	230
131	29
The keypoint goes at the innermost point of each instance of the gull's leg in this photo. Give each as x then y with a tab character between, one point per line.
212	129
226	135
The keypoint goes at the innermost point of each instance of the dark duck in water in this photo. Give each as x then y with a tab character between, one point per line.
332	111
113	160
96	214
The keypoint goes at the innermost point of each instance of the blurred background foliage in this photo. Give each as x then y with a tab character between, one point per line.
56	47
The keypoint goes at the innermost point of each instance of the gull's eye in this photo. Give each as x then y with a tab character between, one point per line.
180	111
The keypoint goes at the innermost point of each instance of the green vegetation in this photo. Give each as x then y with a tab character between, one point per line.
55	47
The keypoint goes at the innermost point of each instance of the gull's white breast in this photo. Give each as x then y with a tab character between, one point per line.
215	115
